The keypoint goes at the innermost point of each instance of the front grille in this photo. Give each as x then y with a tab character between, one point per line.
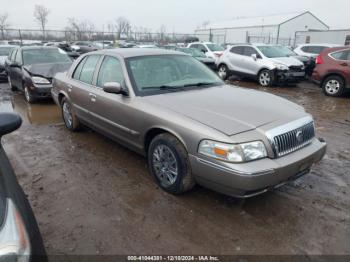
291	141
296	68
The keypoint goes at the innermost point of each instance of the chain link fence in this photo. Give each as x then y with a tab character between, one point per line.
270	40
24	35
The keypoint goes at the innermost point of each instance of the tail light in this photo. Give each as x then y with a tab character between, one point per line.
319	60
218	55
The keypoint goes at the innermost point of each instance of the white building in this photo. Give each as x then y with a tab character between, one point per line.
269	29
339	37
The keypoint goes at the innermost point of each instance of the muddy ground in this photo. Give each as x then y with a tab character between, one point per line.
93	196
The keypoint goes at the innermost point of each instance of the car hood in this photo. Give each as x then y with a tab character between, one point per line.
47	70
302	58
288	61
205	59
230	110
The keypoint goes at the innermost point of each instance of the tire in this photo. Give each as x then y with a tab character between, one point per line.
165	153
333	86
70	120
223	72
265	78
12	87
28	95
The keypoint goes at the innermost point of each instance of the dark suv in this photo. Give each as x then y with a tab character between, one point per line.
332	71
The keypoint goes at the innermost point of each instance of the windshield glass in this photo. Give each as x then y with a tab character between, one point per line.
286	50
215	47
272	51
164	73
5	51
193	52
44	56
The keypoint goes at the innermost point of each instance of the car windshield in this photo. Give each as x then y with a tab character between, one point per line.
5	51
272	51
193	52
286	50
215	47
44	56
164	73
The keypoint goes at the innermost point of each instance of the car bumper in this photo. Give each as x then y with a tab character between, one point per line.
282	76
3	74
43	91
257	177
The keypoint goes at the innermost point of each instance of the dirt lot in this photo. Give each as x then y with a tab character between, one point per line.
93	196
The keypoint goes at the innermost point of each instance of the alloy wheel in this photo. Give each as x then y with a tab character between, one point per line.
222	72
27	94
67	115
332	87
265	78
165	165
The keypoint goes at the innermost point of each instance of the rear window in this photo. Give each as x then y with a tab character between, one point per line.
342	55
5	51
313	49
45	56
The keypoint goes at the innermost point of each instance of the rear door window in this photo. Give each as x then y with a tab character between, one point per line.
88	70
237	50
249	51
78	69
13	55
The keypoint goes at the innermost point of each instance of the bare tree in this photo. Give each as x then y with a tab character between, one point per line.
205	24
81	29
4	24
162	32
41	14
122	26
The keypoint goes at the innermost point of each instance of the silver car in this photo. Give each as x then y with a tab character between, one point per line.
191	127
266	63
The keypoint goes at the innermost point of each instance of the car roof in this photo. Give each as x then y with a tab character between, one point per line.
134	52
38	47
335	49
319	44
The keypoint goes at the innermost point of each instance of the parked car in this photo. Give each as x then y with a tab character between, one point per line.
211	50
104	44
309	62
83	47
193	128
20	238
208	61
312	50
332	71
4	52
65	47
146	46
31	69
265	63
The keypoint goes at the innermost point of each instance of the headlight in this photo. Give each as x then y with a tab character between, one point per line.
233	153
40	80
14	241
280	66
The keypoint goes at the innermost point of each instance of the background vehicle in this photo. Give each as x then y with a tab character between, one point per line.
191	126
4	52
83	47
31	69
332	71
312	50
65	47
265	63
211	50
20	238
208	61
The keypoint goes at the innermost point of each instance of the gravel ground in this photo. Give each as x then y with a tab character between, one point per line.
92	196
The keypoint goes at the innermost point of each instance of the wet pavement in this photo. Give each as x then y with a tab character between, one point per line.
92	196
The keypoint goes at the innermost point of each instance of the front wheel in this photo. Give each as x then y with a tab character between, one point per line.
12	87
333	86
71	121
28	95
265	78
168	162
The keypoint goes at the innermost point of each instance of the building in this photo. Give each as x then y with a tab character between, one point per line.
269	29
340	37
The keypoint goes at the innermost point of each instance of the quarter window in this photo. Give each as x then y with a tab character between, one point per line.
13	55
111	71
87	73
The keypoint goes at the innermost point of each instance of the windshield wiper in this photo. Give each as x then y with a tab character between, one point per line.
201	84
164	87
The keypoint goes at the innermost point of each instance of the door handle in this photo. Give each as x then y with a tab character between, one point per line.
69	87
92	97
344	64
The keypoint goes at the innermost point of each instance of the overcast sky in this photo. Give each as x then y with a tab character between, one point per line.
177	15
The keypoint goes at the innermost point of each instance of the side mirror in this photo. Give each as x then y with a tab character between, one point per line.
9	122
15	64
113	88
254	56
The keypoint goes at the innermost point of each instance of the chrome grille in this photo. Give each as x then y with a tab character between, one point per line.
293	140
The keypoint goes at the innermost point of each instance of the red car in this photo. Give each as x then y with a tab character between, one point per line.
332	71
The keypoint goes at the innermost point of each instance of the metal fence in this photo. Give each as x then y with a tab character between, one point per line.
23	35
270	40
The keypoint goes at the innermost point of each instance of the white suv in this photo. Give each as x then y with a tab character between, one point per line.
266	63
210	49
312	50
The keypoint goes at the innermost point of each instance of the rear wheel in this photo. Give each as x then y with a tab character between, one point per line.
265	78
168	162
333	86
223	72
71	121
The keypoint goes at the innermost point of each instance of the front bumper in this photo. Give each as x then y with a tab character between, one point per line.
3	74
257	177
289	76
42	91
